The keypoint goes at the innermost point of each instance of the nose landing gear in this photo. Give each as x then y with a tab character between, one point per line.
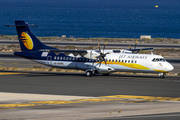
162	75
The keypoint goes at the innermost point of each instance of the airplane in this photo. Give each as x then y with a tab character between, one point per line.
91	61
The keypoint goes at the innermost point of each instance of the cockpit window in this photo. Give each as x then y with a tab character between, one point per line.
162	60
158	60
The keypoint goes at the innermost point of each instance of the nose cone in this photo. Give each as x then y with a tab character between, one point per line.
170	67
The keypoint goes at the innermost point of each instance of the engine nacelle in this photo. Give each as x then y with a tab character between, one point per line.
104	69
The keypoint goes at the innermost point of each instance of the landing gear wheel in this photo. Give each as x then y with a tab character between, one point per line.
89	73
107	74
162	75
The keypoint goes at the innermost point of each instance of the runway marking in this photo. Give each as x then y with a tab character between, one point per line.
54	102
11	73
143	97
104	99
16	105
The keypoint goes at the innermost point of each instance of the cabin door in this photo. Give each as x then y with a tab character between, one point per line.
49	62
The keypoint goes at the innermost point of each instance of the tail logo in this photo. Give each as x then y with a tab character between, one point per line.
27	41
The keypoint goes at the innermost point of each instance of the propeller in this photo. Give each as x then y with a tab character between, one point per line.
102	55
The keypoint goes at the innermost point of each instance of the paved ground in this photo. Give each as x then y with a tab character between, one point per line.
75	96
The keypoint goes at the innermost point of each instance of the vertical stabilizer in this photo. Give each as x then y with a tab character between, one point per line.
28	42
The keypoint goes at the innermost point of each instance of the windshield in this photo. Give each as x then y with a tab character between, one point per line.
158	60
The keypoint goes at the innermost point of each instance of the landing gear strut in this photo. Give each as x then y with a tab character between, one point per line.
161	75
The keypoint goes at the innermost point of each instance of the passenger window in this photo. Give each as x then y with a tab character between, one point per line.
109	60
135	61
119	60
128	61
113	60
60	58
132	61
55	58
125	61
122	61
116	60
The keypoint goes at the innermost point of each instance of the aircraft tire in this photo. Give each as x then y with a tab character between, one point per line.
162	76
89	73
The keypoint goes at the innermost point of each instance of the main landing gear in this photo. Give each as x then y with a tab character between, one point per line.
89	73
162	75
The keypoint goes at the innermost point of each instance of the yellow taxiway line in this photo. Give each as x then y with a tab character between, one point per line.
11	73
116	98
143	97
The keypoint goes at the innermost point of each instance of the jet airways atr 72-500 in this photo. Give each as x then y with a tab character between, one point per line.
92	61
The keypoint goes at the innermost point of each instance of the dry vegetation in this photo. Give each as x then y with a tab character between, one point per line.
163	52
122	40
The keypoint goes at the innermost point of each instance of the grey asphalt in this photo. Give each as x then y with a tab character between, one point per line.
78	84
169	116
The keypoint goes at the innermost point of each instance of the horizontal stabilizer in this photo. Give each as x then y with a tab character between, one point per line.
139	49
71	51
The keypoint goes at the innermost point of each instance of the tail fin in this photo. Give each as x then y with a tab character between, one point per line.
28	42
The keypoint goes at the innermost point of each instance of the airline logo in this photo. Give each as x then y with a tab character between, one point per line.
27	41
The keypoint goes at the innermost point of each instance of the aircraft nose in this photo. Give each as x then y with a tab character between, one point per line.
170	67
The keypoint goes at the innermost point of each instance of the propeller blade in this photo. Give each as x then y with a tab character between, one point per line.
135	45
104	46
100	63
105	61
99	48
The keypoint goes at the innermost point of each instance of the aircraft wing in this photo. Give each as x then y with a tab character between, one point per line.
131	50
57	51
139	49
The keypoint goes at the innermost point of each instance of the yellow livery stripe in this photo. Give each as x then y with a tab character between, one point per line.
130	65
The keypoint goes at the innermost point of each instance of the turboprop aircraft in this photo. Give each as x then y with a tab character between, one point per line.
91	61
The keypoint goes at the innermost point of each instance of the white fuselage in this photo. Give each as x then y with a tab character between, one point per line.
123	62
